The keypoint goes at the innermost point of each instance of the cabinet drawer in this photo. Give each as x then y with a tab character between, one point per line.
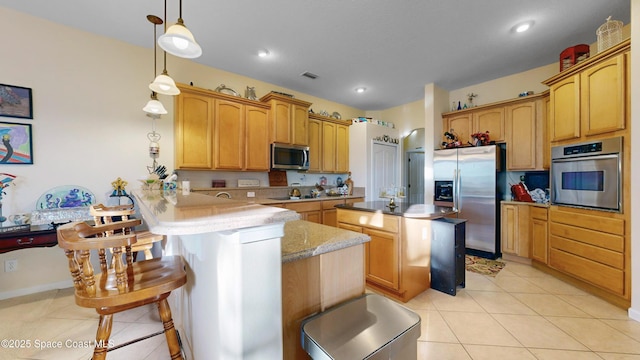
330	204
304	206
592	222
26	240
590	237
389	223
595	273
590	252
539	213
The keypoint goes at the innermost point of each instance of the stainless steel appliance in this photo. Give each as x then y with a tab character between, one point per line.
291	157
477	183
588	174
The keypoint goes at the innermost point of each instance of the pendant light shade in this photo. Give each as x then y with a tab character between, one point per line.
163	84
154	106
179	41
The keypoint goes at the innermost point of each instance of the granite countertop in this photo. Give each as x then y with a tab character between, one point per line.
178	213
524	203
421	211
303	239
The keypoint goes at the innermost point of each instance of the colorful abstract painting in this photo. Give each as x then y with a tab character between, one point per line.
15	143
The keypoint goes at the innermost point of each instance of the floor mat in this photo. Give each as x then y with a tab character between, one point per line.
483	266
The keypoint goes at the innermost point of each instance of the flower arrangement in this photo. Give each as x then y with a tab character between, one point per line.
481	139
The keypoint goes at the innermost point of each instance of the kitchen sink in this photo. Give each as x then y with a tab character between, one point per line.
280	198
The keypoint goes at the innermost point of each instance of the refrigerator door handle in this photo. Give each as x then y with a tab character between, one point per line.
455	190
459	186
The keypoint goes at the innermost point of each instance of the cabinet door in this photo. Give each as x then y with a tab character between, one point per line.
312	216
342	148
564	123
491	120
280	122
521	136
256	139
315	145
546	145
194	131
461	125
299	125
539	240
229	135
328	146
603	96
382	258
509	234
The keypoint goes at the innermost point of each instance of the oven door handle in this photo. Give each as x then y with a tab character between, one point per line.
586	158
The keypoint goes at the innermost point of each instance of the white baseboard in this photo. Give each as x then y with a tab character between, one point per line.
36	289
634	314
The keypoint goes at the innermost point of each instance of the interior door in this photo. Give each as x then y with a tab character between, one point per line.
384	168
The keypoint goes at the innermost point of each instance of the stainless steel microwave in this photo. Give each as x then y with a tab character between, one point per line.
290	157
588	174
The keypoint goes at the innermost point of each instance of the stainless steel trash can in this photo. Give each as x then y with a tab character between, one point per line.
369	327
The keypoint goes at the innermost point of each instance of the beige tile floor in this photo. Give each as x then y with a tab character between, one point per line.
520	314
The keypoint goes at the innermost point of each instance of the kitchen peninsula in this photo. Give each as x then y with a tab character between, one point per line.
398	258
248	266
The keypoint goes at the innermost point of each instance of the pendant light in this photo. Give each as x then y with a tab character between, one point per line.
163	83
154	107
178	40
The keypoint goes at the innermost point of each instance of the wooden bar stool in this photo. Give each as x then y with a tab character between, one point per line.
123	286
106	214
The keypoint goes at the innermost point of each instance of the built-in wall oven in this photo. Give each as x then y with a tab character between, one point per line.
588	174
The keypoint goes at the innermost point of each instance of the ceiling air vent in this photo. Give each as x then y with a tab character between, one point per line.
309	75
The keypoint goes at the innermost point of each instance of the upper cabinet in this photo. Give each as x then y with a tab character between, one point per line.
289	119
520	123
328	144
591	97
220	132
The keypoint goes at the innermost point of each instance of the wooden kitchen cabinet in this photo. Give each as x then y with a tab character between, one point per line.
308	210
328	144
539	234
315	145
492	120
515	230
526	135
342	148
397	257
591	97
460	124
220	131
193	129
289	119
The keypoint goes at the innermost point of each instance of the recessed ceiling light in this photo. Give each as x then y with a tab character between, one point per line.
361	90
263	53
522	27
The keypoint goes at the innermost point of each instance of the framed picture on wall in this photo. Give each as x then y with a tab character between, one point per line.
16	101
15	143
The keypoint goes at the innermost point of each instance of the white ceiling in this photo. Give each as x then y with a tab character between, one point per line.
391	47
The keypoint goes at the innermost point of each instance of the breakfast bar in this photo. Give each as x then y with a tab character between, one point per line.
254	272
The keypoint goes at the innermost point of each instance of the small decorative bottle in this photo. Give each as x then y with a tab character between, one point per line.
349	184
459	106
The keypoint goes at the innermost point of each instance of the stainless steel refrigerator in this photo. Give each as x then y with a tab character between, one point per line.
477	179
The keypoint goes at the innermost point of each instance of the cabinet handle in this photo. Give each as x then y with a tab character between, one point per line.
29	242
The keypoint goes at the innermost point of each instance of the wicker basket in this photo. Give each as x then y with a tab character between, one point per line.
609	34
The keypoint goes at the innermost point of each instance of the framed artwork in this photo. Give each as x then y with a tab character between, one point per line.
16	101
15	143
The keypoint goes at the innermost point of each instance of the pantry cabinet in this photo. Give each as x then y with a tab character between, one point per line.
591	97
289	119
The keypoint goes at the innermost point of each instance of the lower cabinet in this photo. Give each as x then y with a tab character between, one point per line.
515	230
310	210
397	257
539	234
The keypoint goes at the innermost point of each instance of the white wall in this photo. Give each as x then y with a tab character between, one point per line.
88	126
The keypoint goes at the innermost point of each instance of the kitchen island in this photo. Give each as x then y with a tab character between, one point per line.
254	272
398	257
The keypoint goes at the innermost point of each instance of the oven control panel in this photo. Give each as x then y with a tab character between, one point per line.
583	148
